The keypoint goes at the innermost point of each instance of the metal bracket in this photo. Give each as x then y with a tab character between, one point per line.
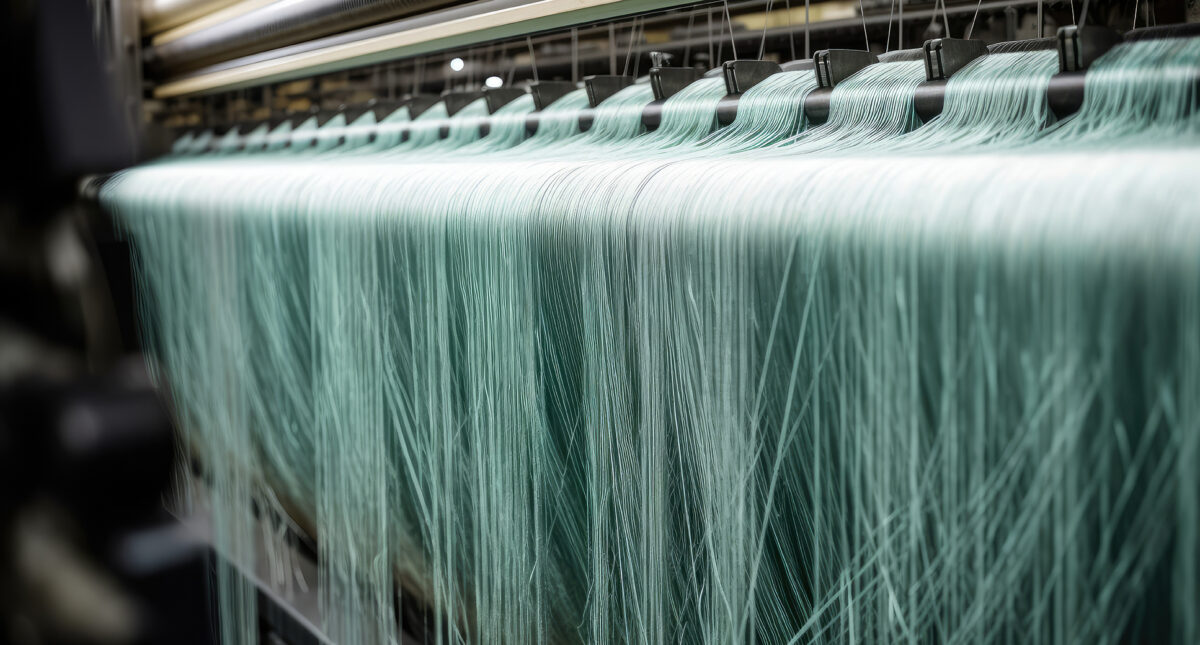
498	97
1078	47
456	101
419	103
547	92
667	81
741	75
945	56
836	65
602	86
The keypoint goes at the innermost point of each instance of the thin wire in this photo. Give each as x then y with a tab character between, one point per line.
720	42
710	38
762	46
732	38
863	14
471	67
787	4
574	54
637	60
687	49
629	50
887	43
532	58
807	34
971	27
612	48
491	55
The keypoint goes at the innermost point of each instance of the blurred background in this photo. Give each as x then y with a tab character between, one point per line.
87	552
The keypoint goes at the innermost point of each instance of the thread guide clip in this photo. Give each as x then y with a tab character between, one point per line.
601	86
741	75
945	56
836	65
547	92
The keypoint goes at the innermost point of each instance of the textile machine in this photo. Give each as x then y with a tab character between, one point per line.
614	321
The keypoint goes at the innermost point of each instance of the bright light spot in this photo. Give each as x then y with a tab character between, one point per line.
494	81
457	64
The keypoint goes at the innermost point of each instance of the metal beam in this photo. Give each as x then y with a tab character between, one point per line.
457	27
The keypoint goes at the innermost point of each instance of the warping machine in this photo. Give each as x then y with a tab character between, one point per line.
603	321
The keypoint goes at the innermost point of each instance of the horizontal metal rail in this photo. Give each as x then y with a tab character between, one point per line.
455	27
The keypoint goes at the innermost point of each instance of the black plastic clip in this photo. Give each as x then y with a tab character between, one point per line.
547	92
836	65
602	86
741	75
945	56
324	116
456	101
667	81
498	97
1078	46
352	112
383	108
419	103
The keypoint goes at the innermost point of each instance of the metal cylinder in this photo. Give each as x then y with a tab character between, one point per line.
160	15
275	25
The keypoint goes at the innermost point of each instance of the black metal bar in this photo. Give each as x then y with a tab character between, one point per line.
727	109
1065	94
929	99
816	105
652	114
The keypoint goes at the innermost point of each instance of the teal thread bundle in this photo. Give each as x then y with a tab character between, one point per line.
866	381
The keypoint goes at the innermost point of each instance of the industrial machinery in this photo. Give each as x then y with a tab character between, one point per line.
619	320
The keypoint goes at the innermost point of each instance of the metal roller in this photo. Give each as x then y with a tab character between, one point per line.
275	25
160	15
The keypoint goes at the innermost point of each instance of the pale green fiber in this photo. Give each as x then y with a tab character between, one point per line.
867	381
